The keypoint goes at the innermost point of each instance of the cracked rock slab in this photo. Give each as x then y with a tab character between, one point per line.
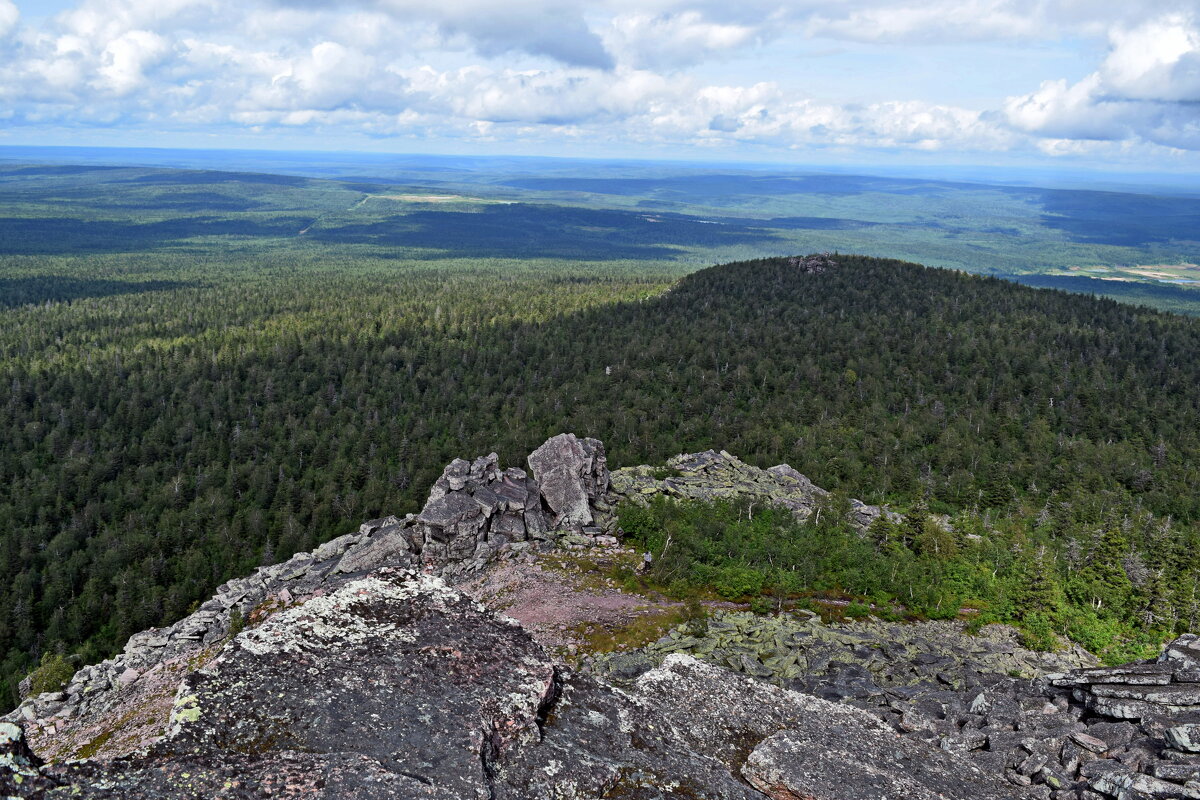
396	666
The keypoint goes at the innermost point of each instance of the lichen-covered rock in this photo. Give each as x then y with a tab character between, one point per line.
475	510
15	754
1183	653
1168	686
851	659
713	475
598	742
789	745
395	666
397	685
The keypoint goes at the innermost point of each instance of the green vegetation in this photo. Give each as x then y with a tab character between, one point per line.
164	441
204	372
51	674
1049	580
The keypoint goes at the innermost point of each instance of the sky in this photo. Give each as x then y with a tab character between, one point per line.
1093	83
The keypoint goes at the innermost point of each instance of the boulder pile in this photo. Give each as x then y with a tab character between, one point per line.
846	660
1062	728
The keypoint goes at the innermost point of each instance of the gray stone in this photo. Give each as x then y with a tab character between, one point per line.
571	472
1184	737
1183	653
1087	742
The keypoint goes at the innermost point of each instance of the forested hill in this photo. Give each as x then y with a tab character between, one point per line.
160	442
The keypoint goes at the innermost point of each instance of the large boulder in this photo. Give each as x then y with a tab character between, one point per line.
572	474
331	675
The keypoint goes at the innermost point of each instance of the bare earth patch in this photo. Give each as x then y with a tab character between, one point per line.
569	602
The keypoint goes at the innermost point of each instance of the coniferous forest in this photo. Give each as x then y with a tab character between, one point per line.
161	441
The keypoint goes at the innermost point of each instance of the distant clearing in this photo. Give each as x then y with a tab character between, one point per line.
432	198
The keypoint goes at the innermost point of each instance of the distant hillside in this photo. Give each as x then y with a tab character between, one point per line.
165	441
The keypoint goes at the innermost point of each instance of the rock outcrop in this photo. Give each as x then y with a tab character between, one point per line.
1129	732
363	673
397	685
812	265
572	474
1168	686
713	475
476	512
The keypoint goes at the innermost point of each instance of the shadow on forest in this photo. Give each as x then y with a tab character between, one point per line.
55	288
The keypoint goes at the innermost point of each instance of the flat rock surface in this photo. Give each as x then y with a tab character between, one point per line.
790	745
397	685
331	674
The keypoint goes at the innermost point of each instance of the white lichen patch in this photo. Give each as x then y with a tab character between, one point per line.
331	620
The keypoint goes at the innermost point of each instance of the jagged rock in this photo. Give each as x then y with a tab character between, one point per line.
813	264
475	510
572	474
1183	653
15	754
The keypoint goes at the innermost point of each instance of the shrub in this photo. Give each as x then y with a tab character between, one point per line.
237	622
51	675
1037	634
761	605
695	618
733	582
858	610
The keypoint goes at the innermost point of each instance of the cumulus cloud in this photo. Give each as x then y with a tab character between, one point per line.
676	40
556	30
935	21
125	59
1148	87
648	71
9	15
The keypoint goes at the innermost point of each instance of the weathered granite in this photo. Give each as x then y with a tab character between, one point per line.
475	513
572	474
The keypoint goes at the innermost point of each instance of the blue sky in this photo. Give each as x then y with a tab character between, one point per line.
1031	82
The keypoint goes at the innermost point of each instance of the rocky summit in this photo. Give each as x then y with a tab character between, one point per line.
397	685
360	670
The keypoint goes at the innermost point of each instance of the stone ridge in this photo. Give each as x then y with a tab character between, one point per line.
713	475
476	512
396	685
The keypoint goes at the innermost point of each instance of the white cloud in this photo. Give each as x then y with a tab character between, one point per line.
1147	88
1159	60
9	16
124	60
675	40
933	21
638	71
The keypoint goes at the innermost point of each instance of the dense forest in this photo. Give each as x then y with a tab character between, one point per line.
161	441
